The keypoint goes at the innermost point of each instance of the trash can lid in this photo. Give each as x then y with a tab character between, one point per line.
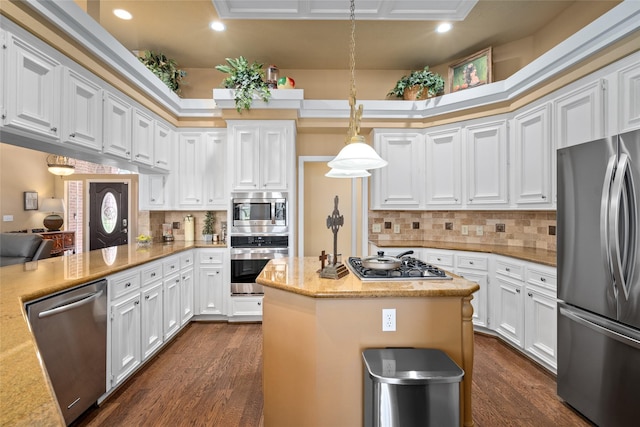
411	366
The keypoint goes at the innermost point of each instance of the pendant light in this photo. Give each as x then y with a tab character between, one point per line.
357	155
60	165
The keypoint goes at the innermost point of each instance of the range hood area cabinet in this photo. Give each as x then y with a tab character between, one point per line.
262	153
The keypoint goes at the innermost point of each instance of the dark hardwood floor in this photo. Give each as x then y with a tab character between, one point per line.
211	375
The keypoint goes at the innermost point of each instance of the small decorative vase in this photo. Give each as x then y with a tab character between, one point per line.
208	237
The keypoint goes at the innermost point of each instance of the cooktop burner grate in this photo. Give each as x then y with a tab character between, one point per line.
410	269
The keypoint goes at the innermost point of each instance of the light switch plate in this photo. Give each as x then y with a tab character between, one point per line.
479	230
7	218
464	230
396	228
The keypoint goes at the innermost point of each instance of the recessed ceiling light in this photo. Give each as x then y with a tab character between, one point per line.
217	26
122	14
444	27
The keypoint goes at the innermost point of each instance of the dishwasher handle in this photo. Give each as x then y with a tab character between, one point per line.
67	307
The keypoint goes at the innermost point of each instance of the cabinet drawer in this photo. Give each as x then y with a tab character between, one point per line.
209	257
246	306
472	262
124	284
186	259
541	277
151	273
440	259
171	265
510	269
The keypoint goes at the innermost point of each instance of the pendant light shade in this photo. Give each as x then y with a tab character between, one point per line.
344	173
357	155
60	165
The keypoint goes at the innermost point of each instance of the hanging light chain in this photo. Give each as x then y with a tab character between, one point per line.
354	115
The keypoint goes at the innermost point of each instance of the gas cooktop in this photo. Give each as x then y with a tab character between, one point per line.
410	269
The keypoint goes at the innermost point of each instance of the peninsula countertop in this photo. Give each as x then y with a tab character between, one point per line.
300	276
26	396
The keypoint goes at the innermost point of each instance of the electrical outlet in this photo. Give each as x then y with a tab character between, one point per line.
7	218
388	319
376	228
479	230
396	228
388	367
465	230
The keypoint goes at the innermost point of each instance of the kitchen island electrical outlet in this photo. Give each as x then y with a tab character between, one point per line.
388	319
465	230
396	228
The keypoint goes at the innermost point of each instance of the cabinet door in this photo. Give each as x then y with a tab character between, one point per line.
153	192
486	146
541	330
274	158
211	290
629	98
246	172
579	115
215	169
125	338
171	305
479	301
186	296
399	185
443	174
510	310
152	311
162	143
532	156
32	90
246	306
82	103
142	142
117	126
190	163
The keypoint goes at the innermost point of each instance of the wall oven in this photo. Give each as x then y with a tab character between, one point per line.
249	255
259	213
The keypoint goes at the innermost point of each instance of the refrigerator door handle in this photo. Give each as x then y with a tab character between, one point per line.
623	214
605	207
617	332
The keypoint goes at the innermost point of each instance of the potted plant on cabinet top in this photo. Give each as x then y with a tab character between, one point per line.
207	226
246	79
164	68
419	84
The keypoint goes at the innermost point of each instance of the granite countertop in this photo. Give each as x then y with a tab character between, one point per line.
300	276
26	396
540	256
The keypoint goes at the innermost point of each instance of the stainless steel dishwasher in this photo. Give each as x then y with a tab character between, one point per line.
71	332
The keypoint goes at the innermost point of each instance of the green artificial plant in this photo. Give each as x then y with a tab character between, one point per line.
209	221
166	69
424	79
247	80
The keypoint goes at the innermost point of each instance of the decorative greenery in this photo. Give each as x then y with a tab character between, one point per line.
247	80
209	221
425	79
166	69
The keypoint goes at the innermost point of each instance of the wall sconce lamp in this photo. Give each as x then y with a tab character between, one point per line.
60	165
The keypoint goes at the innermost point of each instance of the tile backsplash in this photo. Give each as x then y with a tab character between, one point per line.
530	229
150	222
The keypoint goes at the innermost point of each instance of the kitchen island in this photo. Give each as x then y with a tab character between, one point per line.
314	332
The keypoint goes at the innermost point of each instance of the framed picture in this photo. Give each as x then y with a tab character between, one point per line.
472	71
30	201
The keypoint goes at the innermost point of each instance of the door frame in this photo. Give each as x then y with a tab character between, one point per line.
302	160
132	229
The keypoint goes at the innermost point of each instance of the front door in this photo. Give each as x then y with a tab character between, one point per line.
108	214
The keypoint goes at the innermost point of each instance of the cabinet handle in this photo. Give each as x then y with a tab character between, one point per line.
73	135
455	200
530	294
210	200
146	297
54	129
542	279
153	274
136	302
137	155
153	200
126	285
259	303
128	152
507	269
210	257
544	197
158	162
184	277
471	262
177	280
517	291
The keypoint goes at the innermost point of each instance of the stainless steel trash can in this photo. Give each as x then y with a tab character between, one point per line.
411	387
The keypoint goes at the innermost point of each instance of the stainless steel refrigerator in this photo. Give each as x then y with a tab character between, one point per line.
599	279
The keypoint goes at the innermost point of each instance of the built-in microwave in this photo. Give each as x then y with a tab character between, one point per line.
259	213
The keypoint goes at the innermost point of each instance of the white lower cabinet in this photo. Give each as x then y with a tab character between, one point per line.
171	305
509	310
540	325
187	286
152	321
212	286
475	268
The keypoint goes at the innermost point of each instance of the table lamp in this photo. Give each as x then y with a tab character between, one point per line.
53	221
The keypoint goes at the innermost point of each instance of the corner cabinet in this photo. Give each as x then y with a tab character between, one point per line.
262	154
399	185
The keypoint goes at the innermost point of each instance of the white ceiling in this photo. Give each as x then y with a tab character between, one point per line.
179	28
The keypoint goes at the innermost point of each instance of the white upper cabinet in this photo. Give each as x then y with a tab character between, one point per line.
190	167
117	126
579	115
399	185
629	98
162	144
32	90
82	104
443	171
142	138
531	161
486	154
262	154
215	158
